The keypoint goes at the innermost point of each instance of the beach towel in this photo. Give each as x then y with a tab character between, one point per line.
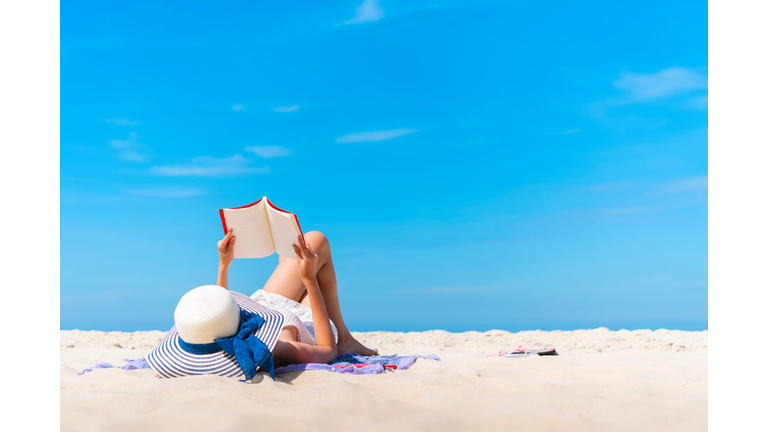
347	363
358	364
131	365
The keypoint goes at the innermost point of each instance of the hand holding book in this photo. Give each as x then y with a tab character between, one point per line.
306	258
226	249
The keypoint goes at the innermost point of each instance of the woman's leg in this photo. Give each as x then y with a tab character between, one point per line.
285	280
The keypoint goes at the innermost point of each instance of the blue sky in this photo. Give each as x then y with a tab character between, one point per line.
476	165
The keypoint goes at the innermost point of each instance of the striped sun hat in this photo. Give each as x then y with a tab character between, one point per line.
211	313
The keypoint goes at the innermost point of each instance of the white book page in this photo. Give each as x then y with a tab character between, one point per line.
251	227
285	231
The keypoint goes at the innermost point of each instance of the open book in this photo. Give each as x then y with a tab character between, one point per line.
261	229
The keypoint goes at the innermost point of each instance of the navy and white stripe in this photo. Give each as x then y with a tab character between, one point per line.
169	360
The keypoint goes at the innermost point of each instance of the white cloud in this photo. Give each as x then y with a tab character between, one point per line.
665	83
238	107
287	108
132	156
669	82
689	184
121	121
168	192
701	102
123	144
269	151
374	136
206	166
129	148
367	12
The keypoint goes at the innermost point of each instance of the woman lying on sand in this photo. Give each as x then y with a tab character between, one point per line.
305	287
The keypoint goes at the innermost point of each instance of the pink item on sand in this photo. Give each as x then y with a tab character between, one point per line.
527	349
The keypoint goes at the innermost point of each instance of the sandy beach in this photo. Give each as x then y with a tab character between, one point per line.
601	380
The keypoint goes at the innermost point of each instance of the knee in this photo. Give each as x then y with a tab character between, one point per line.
317	239
333	352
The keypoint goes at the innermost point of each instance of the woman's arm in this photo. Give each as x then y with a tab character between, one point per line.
323	333
288	350
226	255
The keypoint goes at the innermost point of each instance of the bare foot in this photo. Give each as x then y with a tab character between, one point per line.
351	345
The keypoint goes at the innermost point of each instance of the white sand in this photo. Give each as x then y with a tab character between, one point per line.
602	380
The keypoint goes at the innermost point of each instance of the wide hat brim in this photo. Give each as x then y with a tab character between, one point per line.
170	361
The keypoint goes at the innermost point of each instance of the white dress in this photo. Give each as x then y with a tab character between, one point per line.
296	314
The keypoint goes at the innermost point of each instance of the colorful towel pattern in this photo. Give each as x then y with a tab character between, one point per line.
347	363
131	365
357	364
